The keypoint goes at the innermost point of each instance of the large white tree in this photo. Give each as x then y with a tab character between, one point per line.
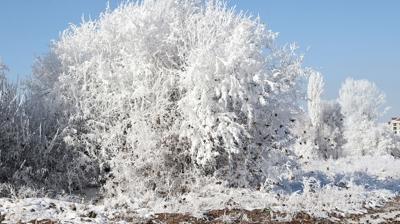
161	92
362	103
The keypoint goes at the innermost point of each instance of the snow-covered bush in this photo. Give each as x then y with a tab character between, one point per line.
12	127
66	167
160	93
362	103
31	152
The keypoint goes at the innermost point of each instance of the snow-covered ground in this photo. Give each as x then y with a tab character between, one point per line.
29	209
350	187
45	209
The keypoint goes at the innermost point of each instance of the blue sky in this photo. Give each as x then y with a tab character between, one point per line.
340	38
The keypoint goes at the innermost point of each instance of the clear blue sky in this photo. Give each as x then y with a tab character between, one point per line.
358	38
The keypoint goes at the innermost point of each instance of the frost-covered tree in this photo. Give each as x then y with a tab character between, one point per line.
160	93
63	167
362	103
314	92
361	99
330	137
11	123
346	127
31	152
321	132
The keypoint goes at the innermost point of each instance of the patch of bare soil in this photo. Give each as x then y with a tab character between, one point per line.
236	216
390	213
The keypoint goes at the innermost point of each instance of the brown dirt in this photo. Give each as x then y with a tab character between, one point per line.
268	216
236	216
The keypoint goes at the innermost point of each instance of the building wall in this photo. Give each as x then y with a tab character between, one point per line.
395	125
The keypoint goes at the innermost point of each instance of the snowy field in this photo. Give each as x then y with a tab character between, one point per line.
337	190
